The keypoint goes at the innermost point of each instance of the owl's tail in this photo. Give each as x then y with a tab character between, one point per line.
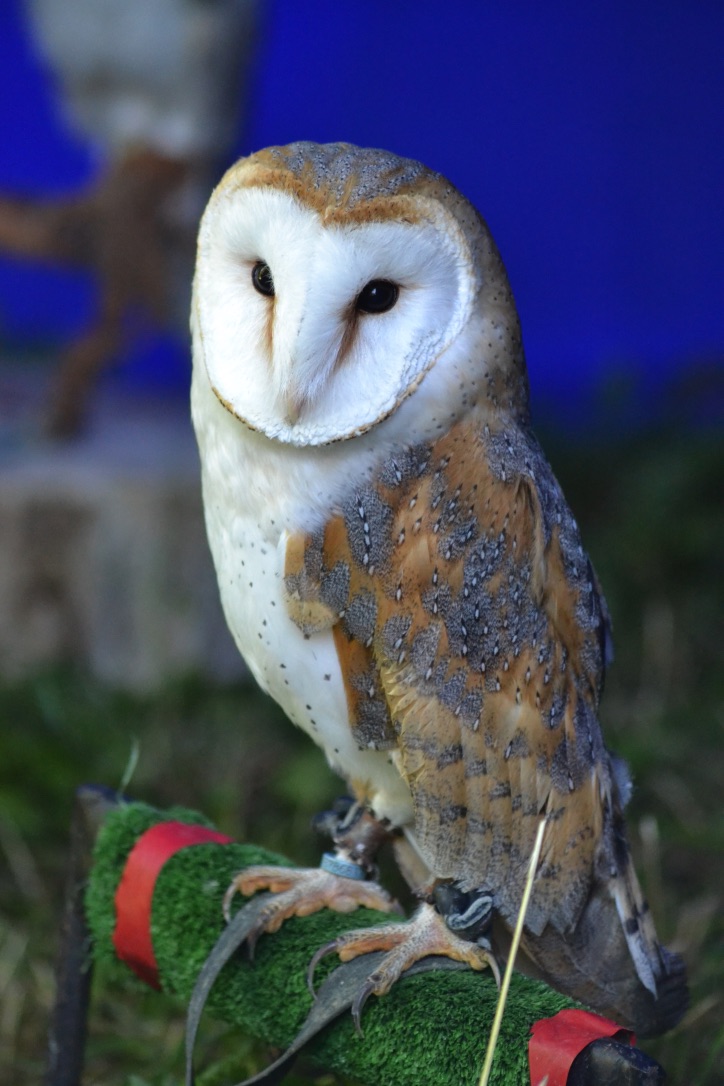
613	960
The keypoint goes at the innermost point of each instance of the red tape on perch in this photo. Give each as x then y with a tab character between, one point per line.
555	1042
134	895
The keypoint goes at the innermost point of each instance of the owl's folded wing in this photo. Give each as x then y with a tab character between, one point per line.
467	625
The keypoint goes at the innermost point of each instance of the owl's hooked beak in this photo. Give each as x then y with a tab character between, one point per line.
294	408
291	395
305	351
300	380
292	398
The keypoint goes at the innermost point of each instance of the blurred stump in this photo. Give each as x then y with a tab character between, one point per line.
103	554
126	231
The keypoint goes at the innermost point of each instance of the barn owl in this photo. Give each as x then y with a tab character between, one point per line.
400	570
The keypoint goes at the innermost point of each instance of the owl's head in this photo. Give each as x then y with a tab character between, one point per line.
332	282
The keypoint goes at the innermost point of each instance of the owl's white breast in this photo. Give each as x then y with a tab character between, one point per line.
256	494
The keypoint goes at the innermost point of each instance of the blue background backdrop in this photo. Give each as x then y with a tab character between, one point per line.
591	140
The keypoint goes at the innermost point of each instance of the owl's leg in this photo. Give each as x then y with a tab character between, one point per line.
357	835
343	881
433	930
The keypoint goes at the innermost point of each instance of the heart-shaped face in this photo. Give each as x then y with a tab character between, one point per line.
317	313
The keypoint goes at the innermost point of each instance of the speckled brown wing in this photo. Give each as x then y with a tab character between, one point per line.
469	633
472	637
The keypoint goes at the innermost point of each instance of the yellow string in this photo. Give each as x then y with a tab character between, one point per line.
503	995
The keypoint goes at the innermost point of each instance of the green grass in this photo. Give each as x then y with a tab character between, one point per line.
653	521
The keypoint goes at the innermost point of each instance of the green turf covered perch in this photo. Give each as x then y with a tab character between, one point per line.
431	1030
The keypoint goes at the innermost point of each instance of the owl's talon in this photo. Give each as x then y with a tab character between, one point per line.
359	1002
251	940
231	891
322	952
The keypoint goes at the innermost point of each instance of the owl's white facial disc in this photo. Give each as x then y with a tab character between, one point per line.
307	366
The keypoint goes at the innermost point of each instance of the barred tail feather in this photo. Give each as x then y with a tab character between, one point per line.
613	961
633	912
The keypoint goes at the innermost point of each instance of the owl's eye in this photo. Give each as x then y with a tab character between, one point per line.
377	297
262	279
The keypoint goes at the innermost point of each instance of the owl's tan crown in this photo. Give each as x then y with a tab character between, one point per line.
341	181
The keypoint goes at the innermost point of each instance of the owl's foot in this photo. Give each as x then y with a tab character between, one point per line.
425	934
301	892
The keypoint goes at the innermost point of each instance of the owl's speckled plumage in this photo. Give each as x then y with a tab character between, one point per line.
400	569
